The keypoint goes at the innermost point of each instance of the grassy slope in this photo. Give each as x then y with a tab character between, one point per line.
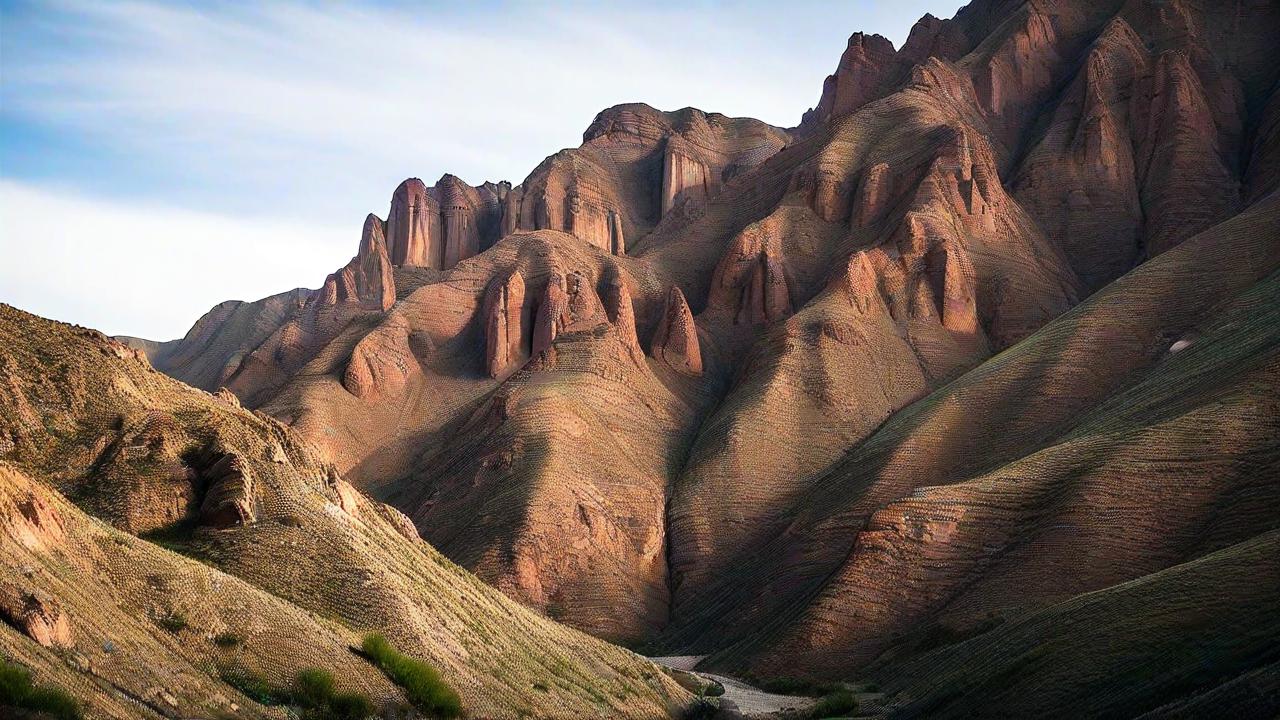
79	413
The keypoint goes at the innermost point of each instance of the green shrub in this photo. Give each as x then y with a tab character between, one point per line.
17	690
174	622
227	640
312	688
796	686
836	704
250	684
351	706
422	685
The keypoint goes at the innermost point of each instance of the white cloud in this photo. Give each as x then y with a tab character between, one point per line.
132	269
206	151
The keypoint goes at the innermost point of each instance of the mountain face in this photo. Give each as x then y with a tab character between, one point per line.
966	385
280	564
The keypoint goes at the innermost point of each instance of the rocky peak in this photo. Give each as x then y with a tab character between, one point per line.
676	341
368	281
621	311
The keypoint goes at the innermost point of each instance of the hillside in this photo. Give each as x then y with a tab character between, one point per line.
129	498
988	337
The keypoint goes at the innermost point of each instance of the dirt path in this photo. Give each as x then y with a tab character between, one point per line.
750	702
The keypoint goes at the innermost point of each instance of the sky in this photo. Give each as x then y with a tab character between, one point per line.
159	158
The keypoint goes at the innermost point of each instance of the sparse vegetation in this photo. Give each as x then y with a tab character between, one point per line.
312	691
312	688
421	683
795	686
18	691
251	684
174	622
836	704
703	709
227	640
556	611
350	706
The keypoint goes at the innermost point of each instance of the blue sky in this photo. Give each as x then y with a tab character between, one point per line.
156	159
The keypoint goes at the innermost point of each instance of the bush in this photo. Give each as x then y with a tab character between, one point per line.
422	685
313	691
174	622
312	688
351	706
17	690
836	704
227	640
250	684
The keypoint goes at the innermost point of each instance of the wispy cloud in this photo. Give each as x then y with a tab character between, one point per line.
136	269
309	114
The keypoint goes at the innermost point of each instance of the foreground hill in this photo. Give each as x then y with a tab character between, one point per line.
990	331
280	564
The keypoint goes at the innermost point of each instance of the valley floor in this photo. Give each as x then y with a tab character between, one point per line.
748	701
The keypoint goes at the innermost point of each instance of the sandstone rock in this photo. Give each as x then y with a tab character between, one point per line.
863	72
503	318
751	277
368	280
553	314
440	226
585	308
229	497
1186	186
36	614
683	176
875	191
676	341
382	362
621	311
414	234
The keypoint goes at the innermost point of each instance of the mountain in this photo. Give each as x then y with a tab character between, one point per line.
983	347
157	539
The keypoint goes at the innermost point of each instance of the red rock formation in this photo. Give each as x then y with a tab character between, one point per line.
585	308
440	226
676	341
875	191
413	227
683	176
751	277
1187	187
504	324
382	362
621	311
860	76
368	279
553	314
229	498
36	614
635	165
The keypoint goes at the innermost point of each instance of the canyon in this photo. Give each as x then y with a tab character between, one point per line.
967	386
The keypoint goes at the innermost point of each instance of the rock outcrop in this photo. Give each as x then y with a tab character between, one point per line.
229	496
368	280
36	614
676	340
751	277
884	293
505	325
621	311
440	226
553	314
